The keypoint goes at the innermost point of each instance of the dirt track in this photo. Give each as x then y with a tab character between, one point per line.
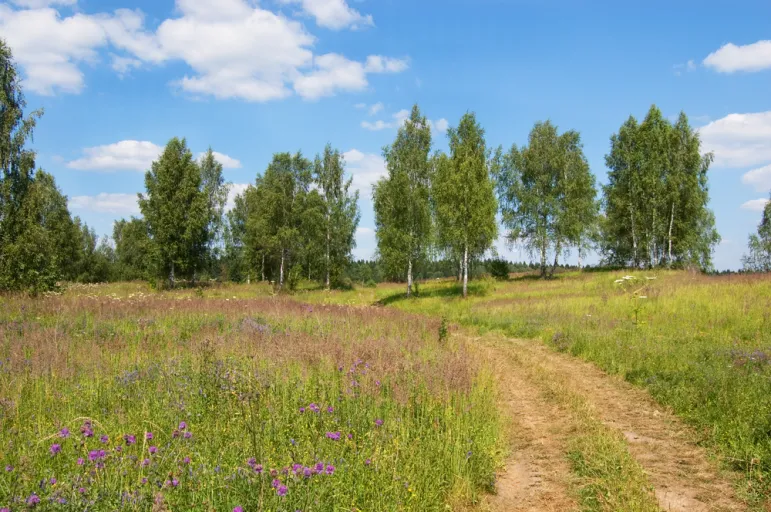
538	476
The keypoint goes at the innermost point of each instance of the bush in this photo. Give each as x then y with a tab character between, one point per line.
499	269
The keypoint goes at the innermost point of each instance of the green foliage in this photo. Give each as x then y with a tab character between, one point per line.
401	199
463	195
656	199
177	213
547	193
758	259
132	249
499	269
216	190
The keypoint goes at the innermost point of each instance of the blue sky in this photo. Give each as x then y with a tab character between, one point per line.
118	78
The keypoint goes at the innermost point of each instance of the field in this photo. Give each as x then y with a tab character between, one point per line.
592	391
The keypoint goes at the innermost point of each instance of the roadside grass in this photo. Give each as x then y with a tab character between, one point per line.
700	344
117	397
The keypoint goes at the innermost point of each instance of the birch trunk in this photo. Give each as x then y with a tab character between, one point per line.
465	271
409	277
171	276
262	267
556	258
281	272
671	225
543	258
634	239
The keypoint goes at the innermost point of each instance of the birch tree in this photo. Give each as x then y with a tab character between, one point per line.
758	258
401	199
463	195
216	190
547	193
340	213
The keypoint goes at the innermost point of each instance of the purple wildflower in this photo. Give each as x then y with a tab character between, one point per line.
275	483
307	472
144	480
80	461
302	409
378	423
148	435
330	409
258	468
5	509
182	425
238	509
175	434
82	490
55	448
188	435
313	407
64	433
8	468
186	460
350	436
118	449
130	439
319	467
330	469
52	481
95	455
334	436
377	383
273	473
282	490
104	439
33	500
153	449
146	462
174	482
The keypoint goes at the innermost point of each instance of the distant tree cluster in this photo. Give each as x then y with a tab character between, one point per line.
435	212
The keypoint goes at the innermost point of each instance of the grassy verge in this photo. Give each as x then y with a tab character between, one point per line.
147	401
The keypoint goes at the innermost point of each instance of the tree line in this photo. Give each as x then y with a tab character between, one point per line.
436	212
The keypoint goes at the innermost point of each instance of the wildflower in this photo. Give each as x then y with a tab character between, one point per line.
182	425
379	423
468	454
186	460
153	449
330	469
64	433
314	407
302	410
5	509
273	473
377	383
187	435
33	500
118	449
144	481
334	436
258	468
52	481
350	436
130	439
275	483
330	409
82	490
148	435
55	448
80	461
368	462
319	467
104	439
292	441
307	472
8	468
95	455
238	509
145	462
282	490
174	482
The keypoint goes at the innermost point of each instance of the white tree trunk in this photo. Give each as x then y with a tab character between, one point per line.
262	267
281	272
671	225
249	277
634	237
409	277
465	272
171	275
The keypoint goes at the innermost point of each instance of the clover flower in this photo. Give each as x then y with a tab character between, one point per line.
55	448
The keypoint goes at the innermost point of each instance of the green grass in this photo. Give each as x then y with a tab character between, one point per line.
120	360
699	344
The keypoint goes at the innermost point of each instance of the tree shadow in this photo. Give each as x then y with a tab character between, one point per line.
454	290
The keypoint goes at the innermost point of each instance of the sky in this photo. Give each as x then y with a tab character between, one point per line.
118	78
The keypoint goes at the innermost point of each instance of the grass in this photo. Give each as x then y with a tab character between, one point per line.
700	344
114	397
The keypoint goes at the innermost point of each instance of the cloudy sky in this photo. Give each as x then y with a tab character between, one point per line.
118	78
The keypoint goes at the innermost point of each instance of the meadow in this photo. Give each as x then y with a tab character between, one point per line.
115	397
698	344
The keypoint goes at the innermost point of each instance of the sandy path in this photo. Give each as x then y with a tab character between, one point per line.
537	475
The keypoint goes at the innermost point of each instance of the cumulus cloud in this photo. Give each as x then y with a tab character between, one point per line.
126	155
333	14
399	118
365	168
234	49
739	140
374	109
759	178
119	204
228	162
235	190
731	58
756	205
39	4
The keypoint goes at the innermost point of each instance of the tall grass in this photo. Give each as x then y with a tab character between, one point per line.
138	401
699	344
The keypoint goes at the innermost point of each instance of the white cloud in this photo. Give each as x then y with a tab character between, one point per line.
731	58
366	169
39	4
374	109
360	106
759	178
333	14
399	118
440	125
119	204
228	162
739	140
756	205
126	155
687	67
235	189
365	232
376	126
233	48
